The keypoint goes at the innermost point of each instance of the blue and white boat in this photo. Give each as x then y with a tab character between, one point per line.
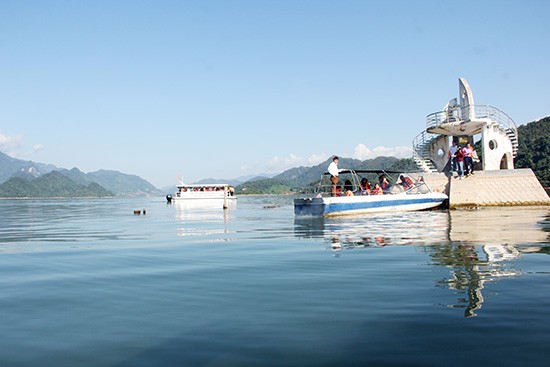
410	194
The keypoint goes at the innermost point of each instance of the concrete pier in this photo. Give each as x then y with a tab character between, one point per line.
518	187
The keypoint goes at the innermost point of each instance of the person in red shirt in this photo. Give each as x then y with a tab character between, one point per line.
460	162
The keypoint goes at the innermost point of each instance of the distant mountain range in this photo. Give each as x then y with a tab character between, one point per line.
295	179
53	184
20	178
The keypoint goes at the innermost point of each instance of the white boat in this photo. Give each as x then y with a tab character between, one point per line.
408	195
209	192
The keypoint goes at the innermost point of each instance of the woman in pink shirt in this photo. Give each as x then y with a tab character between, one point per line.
468	159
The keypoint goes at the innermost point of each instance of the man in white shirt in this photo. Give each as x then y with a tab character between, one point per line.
333	170
452	155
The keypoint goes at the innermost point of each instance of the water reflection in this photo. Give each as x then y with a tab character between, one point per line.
499	225
206	219
377	230
478	246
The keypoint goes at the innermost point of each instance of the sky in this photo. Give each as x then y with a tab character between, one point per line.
224	89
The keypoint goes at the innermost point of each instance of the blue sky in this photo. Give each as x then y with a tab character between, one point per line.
223	89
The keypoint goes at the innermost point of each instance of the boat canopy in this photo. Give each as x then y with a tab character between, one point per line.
359	171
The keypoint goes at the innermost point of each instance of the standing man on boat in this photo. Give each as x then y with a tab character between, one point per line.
333	170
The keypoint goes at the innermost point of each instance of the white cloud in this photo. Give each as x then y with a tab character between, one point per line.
10	143
280	164
315	159
362	152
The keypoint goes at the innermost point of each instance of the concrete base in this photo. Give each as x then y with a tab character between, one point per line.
437	181
519	187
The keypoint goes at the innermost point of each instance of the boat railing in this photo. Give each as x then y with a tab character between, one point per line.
324	186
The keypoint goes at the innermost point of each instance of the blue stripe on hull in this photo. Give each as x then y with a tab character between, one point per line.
318	207
342	207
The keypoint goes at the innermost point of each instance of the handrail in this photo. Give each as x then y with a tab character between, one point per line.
419	141
462	113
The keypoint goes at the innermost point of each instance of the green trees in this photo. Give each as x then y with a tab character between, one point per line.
534	149
53	184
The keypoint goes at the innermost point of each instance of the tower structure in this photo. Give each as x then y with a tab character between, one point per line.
488	128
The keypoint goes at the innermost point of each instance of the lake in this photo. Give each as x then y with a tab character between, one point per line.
85	282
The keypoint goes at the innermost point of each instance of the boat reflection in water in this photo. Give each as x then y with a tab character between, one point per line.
380	229
478	246
205	219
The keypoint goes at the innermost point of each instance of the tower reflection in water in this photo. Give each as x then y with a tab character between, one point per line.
477	246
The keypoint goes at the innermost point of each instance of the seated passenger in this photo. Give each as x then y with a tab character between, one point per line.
384	184
406	182
364	187
377	190
348	186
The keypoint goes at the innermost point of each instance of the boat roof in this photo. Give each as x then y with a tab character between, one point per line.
373	171
204	185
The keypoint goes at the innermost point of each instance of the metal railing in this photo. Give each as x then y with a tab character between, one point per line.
419	143
462	113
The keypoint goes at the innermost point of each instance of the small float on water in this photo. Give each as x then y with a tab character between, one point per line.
359	196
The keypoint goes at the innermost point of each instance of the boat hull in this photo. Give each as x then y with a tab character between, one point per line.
350	205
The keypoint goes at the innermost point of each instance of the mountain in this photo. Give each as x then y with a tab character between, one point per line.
12	166
297	178
119	183
53	184
233	182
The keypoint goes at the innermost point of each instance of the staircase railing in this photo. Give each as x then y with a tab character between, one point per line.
419	143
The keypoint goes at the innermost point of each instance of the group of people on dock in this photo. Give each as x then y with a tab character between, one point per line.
462	159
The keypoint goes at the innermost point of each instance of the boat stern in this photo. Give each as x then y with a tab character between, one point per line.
309	207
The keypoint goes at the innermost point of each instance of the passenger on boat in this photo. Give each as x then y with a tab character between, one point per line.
364	187
377	190
338	191
384	184
333	170
348	186
406	182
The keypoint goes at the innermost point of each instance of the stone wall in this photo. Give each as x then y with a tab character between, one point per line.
518	187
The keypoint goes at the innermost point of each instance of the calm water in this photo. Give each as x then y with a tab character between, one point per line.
88	283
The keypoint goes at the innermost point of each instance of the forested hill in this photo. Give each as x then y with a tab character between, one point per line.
121	184
295	179
52	184
534	149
